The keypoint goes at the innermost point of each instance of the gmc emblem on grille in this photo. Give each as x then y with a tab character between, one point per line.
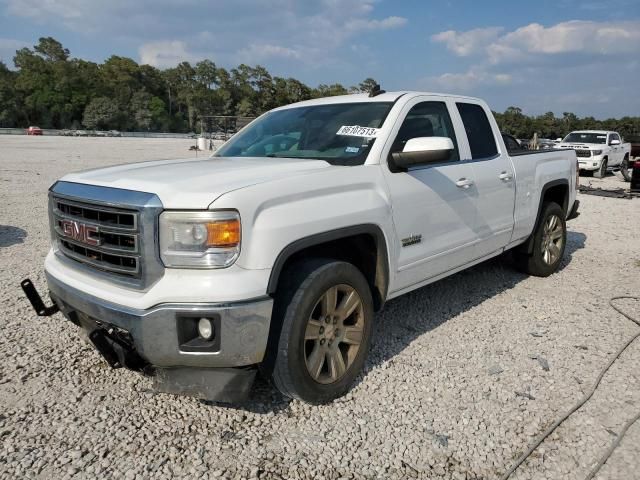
81	232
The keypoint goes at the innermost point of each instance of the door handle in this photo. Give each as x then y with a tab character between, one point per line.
464	183
506	176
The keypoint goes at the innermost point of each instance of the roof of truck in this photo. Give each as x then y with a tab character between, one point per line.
364	97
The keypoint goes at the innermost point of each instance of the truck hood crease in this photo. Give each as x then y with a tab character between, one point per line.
195	184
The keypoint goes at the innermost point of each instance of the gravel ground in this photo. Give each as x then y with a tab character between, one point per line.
463	374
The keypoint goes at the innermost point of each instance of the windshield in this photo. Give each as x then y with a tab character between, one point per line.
585	137
341	134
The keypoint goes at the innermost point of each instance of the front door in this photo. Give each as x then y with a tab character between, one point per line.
434	209
617	154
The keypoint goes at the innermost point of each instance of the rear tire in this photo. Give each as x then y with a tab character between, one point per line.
549	242
602	171
324	312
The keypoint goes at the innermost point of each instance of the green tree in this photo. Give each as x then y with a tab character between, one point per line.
141	110
329	90
51	50
159	117
364	87
8	107
100	113
49	88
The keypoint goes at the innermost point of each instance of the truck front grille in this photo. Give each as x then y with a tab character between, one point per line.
107	232
103	238
583	153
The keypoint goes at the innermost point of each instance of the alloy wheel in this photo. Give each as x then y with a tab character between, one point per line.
552	240
334	334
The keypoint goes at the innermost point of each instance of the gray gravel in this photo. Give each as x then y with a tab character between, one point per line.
455	387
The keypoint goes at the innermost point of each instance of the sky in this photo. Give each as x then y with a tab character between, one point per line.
560	55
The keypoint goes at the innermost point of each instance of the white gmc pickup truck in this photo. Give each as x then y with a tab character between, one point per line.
274	253
597	150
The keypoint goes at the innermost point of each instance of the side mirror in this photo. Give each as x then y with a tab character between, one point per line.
614	142
421	151
558	140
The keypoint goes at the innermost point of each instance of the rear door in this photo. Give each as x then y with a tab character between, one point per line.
433	205
493	175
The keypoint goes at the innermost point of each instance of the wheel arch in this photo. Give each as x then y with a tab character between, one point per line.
555	191
363	245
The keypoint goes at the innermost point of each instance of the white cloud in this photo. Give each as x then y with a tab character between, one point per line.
464	44
242	30
8	47
580	37
467	81
259	52
562	67
388	23
76	15
575	36
166	54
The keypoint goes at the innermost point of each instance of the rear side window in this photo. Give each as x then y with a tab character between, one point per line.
511	143
478	129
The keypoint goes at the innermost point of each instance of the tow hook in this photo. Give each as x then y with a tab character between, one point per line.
118	350
36	300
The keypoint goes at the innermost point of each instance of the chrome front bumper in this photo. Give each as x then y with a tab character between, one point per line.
158	334
587	163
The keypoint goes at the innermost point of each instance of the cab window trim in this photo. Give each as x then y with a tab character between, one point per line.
498	152
455	140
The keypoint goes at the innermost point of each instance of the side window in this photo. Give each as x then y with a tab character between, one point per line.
614	136
511	143
478	129
427	119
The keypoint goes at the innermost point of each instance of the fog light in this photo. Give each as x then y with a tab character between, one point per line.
205	328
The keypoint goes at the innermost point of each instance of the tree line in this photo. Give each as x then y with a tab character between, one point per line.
50	89
514	122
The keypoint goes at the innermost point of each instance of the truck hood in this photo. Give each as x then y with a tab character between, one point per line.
583	146
195	184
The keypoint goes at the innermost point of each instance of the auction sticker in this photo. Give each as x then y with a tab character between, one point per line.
357	131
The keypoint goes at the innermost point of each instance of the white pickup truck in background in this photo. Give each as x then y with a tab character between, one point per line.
276	251
597	150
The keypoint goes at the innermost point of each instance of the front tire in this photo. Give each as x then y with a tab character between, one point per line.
325	310
549	242
602	171
625	169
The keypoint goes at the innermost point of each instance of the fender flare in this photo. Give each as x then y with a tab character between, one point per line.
374	230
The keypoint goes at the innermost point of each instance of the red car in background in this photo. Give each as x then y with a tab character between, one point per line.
34	131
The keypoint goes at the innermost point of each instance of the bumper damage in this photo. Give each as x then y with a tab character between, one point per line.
163	341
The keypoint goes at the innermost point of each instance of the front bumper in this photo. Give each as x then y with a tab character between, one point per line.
590	163
158	334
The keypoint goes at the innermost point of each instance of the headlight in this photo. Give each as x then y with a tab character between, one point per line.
199	239
595	153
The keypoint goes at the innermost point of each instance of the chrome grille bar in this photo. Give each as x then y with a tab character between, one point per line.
107	232
109	263
97	215
113	245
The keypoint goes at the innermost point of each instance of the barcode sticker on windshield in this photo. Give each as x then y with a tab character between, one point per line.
357	131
